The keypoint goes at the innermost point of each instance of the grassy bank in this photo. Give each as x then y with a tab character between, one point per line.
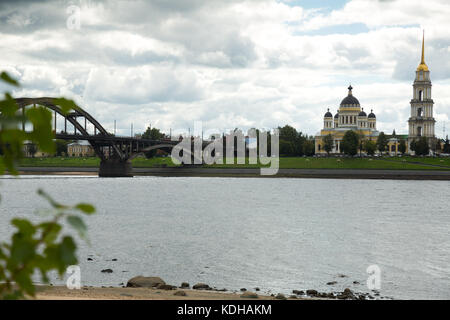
394	163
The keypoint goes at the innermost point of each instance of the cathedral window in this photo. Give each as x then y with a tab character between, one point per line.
420	95
419	111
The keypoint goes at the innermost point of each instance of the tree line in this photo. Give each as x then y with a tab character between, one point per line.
352	142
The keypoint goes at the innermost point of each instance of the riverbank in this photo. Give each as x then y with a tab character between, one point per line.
378	163
91	293
167	292
254	172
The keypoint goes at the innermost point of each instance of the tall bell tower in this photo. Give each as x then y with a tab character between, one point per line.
421	121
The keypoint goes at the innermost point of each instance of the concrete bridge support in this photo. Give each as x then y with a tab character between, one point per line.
115	168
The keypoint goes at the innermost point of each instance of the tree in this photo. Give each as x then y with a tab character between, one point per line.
382	142
370	147
152	134
286	148
421	147
309	147
412	145
61	147
34	247
437	145
402	147
446	148
296	139
350	143
32	149
328	143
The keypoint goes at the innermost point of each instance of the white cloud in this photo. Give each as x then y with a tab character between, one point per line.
229	63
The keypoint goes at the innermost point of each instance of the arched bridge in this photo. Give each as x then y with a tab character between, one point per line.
114	151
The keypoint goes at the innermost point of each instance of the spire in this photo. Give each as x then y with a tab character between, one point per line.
423	48
423	66
350	88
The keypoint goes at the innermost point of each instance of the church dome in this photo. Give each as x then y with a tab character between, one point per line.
336	116
362	113
371	115
328	114
350	100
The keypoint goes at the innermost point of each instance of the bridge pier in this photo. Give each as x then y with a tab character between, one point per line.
115	168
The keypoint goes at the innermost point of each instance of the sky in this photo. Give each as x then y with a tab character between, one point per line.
254	63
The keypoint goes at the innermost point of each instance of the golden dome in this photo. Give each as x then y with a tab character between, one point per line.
423	66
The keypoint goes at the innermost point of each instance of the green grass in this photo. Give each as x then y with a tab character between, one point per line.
394	163
90	162
425	160
344	163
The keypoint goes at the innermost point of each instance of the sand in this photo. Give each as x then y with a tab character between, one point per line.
90	293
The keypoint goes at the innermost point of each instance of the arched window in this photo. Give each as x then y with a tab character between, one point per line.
419	112
420	95
419	131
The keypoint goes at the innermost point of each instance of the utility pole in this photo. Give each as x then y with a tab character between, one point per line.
114	127
131	129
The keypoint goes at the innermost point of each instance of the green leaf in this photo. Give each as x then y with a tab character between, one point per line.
50	231
6	78
42	133
78	224
52	202
22	251
67	252
86	208
25	227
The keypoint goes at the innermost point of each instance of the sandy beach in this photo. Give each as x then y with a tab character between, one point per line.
91	293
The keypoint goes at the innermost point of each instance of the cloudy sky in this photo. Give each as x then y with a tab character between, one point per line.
227	63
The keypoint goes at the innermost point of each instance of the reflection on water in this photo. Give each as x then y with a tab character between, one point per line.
275	234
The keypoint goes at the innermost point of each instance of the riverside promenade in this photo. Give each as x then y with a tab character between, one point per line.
252	172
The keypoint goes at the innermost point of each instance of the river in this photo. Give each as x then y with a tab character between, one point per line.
275	234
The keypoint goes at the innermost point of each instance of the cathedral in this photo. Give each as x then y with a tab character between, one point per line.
351	116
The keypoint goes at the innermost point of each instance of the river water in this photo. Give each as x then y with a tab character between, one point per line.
275	234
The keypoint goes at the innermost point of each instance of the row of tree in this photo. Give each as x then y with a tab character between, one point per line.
297	144
352	142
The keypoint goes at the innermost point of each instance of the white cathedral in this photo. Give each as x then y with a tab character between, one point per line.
351	116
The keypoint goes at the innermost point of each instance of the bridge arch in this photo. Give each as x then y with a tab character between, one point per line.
72	117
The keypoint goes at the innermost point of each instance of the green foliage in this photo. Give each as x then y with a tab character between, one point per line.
370	147
293	143
421	147
328	143
286	148
402	146
350	143
61	147
382	142
152	134
446	148
309	147
34	246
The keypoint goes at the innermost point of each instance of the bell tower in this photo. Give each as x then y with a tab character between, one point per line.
421	122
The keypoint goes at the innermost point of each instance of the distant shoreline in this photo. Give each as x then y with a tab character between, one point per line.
254	172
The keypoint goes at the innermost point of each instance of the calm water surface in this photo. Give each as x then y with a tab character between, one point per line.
275	234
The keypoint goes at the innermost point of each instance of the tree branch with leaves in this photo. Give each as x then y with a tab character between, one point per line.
40	246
